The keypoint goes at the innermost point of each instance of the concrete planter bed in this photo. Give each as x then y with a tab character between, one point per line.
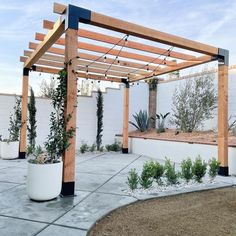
179	150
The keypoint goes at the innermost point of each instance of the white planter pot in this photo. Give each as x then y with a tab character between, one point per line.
44	181
9	150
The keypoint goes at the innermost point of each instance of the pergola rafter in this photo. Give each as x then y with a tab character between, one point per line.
59	48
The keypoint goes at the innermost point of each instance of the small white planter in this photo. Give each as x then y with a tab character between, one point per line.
44	181
9	150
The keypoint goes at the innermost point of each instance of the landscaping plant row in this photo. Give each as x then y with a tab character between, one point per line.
167	175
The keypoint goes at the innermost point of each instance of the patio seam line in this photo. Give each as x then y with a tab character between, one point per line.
67	226
52	223
102	154
117	173
25	219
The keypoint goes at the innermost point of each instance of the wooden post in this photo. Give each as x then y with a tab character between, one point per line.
223	119
125	147
24	108
68	182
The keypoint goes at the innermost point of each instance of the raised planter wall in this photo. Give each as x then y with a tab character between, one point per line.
177	151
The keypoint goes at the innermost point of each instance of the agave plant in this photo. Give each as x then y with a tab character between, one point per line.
142	121
161	122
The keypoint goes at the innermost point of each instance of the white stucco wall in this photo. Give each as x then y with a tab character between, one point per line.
86	114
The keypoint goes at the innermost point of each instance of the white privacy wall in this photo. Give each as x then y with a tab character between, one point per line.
86	114
165	93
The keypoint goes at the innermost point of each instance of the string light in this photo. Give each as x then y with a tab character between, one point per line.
104	59
105	76
147	67
126	40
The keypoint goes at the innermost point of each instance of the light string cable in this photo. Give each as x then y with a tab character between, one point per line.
158	65
99	57
117	56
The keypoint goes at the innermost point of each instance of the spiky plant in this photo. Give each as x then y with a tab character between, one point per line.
142	121
161	122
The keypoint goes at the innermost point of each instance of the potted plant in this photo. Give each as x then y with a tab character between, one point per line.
44	178
10	146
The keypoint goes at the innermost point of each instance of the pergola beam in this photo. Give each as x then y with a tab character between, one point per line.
123	72
114	52
126	27
180	66
48	41
118	25
129	44
79	72
123	63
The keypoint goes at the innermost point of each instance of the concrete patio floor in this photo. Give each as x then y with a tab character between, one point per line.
100	181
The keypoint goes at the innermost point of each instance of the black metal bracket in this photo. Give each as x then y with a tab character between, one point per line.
27	70
223	56
126	82
74	15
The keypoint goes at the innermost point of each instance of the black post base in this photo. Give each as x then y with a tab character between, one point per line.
22	155
68	189
125	150
224	171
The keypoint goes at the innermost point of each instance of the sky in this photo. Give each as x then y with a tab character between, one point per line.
208	21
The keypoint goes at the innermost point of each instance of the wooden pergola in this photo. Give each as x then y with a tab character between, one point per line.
54	51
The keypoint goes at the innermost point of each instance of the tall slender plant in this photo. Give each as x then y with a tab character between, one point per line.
99	119
31	127
15	122
58	139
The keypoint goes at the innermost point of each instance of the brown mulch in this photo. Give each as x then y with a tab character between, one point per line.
208	213
202	137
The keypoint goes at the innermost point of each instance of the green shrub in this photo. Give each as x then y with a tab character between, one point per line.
30	150
132	179
187	169
142	121
115	147
101	149
199	169
84	148
170	173
146	178
93	147
159	171
214	166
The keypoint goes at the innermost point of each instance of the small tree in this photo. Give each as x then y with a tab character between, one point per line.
99	119
31	127
194	103
15	122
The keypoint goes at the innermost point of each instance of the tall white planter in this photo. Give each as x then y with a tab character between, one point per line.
44	181
9	150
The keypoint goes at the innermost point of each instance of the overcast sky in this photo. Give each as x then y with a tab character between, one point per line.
208	21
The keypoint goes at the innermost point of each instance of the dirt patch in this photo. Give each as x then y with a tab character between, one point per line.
202	137
210	213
